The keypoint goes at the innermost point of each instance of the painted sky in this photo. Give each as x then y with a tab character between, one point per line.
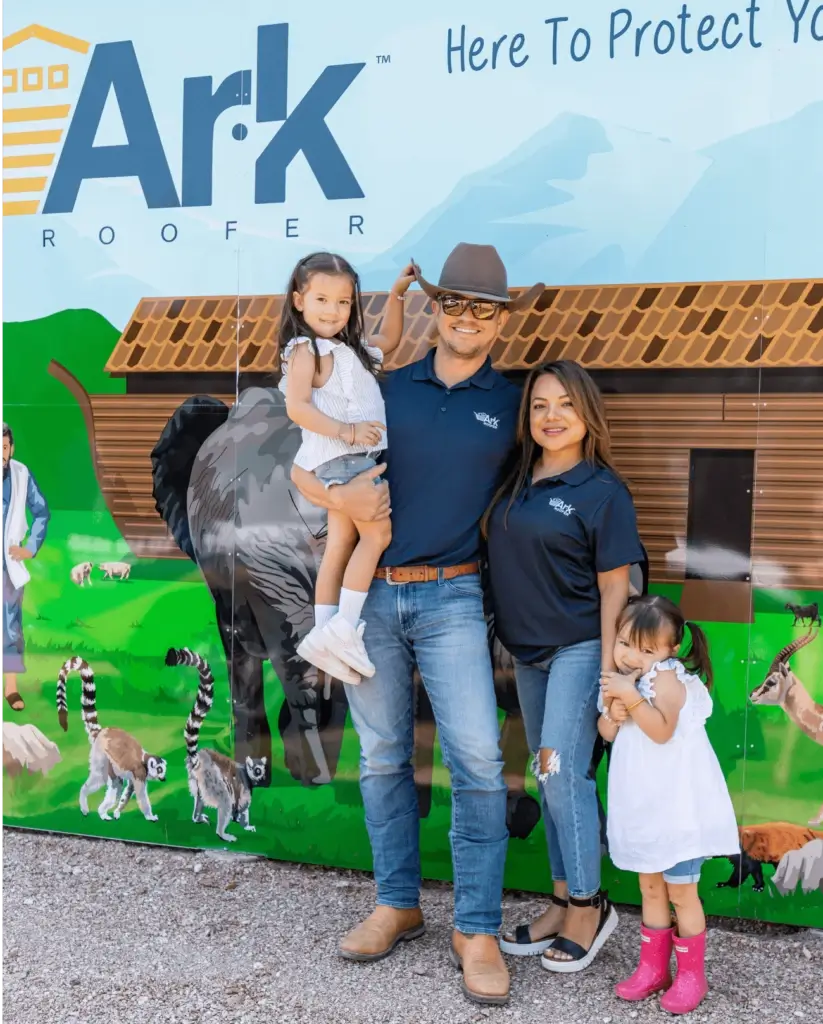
667	166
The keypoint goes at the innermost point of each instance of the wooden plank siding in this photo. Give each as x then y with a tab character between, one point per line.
652	436
127	427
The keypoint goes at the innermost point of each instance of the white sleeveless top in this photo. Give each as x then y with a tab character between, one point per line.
350	395
668	802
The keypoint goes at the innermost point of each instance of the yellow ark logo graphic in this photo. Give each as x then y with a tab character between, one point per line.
33	130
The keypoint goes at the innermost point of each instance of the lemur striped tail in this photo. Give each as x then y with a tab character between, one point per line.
202	702
88	705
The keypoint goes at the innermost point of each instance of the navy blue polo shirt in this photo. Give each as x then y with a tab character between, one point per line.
562	531
446	450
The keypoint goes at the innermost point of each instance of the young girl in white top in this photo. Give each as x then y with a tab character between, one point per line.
329	378
668	809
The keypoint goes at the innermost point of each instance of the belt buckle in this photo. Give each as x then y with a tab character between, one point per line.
388	579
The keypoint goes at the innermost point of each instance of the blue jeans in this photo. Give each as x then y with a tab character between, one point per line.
558	698
440	626
346	467
684	872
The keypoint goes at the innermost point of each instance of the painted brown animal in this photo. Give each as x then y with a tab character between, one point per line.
765	844
782	688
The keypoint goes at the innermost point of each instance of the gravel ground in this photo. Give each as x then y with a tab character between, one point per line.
108	932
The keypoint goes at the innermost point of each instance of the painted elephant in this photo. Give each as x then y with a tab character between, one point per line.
221	483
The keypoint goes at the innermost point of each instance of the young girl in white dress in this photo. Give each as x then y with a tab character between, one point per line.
329	378
668	805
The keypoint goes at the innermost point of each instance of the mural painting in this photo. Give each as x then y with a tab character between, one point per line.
151	625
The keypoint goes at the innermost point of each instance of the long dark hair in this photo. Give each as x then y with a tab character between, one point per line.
588	404
292	325
647	616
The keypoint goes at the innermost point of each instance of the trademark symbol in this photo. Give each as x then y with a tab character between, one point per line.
384	58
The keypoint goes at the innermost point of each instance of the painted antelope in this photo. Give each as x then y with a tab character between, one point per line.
802	612
782	688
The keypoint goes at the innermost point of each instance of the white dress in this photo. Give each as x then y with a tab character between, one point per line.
668	802
351	395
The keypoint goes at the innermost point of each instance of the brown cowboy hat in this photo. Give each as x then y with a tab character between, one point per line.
477	272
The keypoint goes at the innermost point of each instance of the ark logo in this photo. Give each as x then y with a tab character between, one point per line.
114	68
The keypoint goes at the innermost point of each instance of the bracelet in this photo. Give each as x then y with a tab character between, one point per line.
400	298
636	704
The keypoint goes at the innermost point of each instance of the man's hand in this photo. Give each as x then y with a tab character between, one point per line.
360	499
19	554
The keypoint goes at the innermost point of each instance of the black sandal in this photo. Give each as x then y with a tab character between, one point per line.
581	958
523	944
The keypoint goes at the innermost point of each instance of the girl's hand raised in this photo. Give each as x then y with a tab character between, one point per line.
404	280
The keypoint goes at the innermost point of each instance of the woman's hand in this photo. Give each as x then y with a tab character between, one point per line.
615	686
367	433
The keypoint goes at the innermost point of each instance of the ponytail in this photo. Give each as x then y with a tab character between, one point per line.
696	659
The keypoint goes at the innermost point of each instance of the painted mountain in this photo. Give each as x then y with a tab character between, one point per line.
756	212
580	201
584	202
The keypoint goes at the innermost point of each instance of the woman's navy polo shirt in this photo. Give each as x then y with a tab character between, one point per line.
562	531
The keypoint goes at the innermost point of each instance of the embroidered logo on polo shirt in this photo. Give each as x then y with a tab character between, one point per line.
562	506
489	421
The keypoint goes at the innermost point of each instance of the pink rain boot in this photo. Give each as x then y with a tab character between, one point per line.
690	985
652	974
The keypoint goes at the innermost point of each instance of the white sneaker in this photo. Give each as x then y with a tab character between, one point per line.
314	650
346	642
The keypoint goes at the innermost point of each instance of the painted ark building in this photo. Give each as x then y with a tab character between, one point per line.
714	393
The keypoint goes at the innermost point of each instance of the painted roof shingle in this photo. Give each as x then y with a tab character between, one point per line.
674	326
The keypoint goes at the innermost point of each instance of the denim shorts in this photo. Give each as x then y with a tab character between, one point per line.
347	467
685	872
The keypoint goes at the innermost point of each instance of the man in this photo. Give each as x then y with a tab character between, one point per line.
451	426
20	493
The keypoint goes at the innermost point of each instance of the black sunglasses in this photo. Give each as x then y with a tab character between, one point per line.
455	305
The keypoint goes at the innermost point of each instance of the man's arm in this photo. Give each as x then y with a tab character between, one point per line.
39	509
359	499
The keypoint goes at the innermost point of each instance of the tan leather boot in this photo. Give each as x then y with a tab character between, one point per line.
485	975
377	936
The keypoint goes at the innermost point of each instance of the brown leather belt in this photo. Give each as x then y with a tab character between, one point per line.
424	573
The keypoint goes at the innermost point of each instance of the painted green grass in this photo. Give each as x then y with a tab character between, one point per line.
125	627
49	433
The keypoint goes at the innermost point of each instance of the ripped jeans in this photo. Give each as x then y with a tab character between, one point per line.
558	698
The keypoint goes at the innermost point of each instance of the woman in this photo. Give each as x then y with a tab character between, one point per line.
562	536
